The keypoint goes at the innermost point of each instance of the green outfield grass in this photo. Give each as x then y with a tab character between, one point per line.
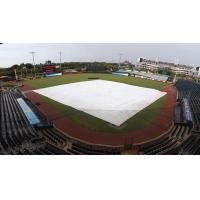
52	81
137	122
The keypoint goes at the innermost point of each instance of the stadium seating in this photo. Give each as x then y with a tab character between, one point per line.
81	148
17	136
52	136
190	90
182	139
172	139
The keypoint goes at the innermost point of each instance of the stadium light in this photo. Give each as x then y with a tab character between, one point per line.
120	57
33	56
60	53
176	61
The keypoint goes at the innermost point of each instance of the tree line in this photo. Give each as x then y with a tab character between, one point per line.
28	69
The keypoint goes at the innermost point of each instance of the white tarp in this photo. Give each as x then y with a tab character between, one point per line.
110	101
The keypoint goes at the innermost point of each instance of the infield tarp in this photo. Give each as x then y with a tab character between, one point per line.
110	101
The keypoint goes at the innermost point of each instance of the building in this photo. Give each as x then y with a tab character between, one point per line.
50	67
154	65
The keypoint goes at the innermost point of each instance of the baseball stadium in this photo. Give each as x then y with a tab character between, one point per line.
99	114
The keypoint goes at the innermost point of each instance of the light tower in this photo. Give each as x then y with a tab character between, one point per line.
176	61
60	53
120	57
157	64
33	56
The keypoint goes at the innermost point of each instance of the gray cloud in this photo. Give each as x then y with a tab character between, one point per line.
187	53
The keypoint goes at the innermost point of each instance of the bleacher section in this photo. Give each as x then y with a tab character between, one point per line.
17	135
191	91
170	141
78	148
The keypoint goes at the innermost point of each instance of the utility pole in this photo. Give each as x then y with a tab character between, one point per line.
33	56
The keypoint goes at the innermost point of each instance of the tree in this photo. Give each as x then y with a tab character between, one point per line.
29	66
15	69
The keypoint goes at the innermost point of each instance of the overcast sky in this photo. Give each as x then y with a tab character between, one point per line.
18	53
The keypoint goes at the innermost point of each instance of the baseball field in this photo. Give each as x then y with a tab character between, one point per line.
139	121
